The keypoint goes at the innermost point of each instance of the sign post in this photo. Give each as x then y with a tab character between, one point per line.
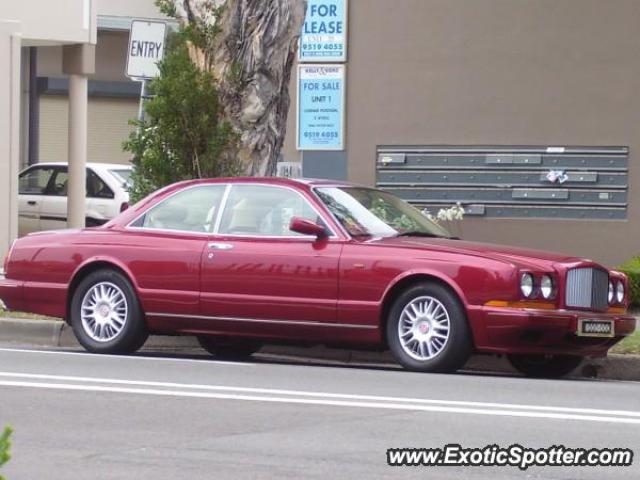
146	49
320	122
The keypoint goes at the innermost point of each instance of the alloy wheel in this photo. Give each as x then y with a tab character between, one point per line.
104	312
424	328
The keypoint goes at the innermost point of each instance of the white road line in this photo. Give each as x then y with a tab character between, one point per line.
323	402
320	396
128	357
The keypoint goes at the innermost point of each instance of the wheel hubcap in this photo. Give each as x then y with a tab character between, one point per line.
424	328
104	312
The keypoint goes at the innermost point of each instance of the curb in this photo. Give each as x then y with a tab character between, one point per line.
56	333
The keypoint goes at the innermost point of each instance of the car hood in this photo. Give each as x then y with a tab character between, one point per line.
523	257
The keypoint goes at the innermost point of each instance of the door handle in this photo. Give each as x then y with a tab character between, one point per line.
32	203
220	246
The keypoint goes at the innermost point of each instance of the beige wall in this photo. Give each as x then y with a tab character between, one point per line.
111	58
460	72
129	8
107	129
9	132
71	21
108	117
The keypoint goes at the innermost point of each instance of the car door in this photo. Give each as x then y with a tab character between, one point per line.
32	187
257	271
53	214
164	252
101	203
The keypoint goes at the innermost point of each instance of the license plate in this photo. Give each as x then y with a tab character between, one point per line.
595	328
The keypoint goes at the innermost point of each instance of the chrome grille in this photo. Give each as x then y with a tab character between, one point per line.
587	288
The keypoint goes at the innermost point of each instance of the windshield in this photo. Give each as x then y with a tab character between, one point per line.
366	211
123	175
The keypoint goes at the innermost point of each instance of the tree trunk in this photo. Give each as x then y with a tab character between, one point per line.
251	57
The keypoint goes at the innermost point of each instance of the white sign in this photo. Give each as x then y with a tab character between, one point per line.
146	49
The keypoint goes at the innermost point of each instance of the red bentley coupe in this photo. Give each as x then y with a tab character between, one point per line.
246	261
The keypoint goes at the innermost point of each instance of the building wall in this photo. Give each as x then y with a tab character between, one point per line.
499	72
129	8
108	116
9	131
46	21
108	127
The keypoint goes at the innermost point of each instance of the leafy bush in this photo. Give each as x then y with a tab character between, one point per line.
632	269
182	136
5	444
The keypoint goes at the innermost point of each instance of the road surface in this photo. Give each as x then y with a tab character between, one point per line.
173	416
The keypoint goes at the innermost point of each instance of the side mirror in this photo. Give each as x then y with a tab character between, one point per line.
307	227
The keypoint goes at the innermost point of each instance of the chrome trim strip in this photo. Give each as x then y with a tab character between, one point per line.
561	312
256	320
168	231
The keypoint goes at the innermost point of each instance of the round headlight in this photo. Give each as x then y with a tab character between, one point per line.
611	292
546	286
526	284
620	292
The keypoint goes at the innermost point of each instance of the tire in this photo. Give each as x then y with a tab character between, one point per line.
545	366
116	325
414	334
228	349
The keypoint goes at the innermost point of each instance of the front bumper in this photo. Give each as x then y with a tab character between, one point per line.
530	331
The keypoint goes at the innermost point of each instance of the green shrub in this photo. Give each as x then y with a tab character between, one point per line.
632	269
183	135
5	444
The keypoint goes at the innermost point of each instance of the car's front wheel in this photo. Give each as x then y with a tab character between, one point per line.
228	349
545	366
106	315
427	330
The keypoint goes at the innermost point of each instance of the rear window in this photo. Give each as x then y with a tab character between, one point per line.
122	175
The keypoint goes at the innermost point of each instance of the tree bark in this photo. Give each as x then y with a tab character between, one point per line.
251	57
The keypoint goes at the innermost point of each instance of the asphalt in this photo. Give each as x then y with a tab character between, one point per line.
174	415
55	333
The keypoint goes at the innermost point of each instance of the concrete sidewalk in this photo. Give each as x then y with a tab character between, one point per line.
55	333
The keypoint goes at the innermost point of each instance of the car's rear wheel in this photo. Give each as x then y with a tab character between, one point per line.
545	366
427	329
228	349
106	315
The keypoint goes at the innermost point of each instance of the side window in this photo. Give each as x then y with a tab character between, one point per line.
96	188
192	210
35	181
258	210
58	187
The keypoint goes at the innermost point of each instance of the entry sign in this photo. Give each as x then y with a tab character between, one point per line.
146	49
324	34
321	107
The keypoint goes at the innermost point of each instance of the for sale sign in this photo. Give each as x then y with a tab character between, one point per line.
321	107
146	49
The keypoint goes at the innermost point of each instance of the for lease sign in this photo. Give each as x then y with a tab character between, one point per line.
321	107
324	34
146	49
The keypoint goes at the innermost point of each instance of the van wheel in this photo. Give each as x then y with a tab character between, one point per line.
106	315
545	366
427	330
